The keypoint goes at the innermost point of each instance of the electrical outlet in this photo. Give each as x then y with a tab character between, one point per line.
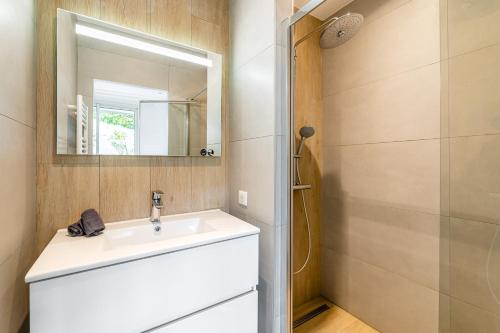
243	198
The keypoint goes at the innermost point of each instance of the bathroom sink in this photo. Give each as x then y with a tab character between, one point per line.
135	239
145	233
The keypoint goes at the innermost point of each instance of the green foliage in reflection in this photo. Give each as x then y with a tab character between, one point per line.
118	141
120	119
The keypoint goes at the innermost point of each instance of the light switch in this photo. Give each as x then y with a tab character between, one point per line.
243	198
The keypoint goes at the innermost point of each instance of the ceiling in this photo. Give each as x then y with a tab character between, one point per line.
326	9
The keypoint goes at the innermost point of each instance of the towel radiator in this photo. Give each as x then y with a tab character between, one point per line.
82	126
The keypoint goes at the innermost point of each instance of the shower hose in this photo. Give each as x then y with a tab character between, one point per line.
299	181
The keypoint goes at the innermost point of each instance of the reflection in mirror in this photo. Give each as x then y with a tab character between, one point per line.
121	92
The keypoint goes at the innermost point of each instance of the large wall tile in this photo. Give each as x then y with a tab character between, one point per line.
253	98
401	241
13	290
17	87
474	82
252	29
384	300
17	179
465	318
475	263
125	188
373	9
472	24
402	40
475	178
252	170
404	107
400	174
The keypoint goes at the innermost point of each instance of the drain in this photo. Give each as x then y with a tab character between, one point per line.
310	315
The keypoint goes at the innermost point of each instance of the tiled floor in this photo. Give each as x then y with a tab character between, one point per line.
334	320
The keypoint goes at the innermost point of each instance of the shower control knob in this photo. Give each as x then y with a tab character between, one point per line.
205	152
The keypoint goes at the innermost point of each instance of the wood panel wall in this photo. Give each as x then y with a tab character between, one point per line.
120	187
308	111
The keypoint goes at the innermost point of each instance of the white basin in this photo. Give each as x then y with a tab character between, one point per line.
135	239
145	233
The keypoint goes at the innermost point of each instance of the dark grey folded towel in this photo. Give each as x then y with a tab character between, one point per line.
90	224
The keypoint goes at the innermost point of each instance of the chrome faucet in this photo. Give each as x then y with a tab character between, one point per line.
157	204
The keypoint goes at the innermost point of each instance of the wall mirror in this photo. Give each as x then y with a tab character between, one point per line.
123	92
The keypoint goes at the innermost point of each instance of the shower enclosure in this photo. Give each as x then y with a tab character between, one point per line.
394	155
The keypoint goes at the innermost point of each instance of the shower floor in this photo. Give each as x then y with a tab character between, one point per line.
334	320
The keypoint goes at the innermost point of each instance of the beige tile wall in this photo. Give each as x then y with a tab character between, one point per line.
17	159
412	165
474	173
119	188
381	244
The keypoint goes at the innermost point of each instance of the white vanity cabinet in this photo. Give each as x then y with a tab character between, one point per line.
209	285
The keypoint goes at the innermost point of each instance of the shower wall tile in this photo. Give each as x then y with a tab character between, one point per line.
384	300
474	84
475	178
404	242
373	9
404	107
252	28
473	25
402	175
475	263
400	41
252	99
252	170
466	318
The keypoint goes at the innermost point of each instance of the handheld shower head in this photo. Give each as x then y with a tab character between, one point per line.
305	132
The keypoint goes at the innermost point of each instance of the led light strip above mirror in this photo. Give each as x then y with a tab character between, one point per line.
140	45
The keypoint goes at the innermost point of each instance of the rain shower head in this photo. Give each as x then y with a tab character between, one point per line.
340	30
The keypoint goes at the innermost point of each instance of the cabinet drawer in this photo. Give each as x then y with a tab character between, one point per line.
139	295
237	315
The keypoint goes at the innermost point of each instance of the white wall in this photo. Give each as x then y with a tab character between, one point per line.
17	158
255	137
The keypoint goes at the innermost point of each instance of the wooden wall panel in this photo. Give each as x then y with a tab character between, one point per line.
63	192
124	187
308	111
120	188
211	11
208	186
134	14
171	19
173	177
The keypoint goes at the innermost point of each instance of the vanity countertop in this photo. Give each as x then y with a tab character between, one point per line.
135	239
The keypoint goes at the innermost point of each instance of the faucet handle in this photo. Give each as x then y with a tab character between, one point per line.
157	195
157	199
